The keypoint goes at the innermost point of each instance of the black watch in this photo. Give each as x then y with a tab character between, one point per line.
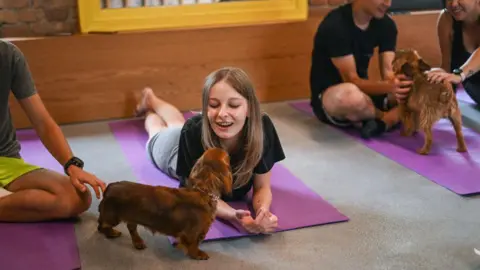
459	72
75	161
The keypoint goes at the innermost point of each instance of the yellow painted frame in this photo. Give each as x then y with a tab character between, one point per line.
95	19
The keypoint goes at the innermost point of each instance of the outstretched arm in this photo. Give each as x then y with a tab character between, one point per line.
262	199
347	69
386	68
472	65
336	36
49	132
225	211
262	192
23	88
445	37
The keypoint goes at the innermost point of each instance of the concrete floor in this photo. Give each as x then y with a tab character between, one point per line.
399	220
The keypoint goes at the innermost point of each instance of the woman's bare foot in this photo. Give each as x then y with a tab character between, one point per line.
143	105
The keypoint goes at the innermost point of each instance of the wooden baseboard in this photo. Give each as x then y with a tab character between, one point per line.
85	78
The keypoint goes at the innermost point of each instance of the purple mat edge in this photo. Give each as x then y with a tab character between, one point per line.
299	104
464	97
71	257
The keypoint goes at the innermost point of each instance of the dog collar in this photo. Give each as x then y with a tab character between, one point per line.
211	195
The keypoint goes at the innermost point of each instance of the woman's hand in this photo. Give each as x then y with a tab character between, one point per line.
265	222
439	75
245	220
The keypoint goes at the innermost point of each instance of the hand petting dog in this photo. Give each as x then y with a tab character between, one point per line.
401	87
79	178
185	213
439	75
428	101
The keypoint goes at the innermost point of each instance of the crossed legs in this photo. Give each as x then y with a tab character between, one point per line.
347	102
42	195
159	113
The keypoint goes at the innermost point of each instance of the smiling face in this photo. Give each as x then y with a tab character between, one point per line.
232	119
227	111
463	9
376	8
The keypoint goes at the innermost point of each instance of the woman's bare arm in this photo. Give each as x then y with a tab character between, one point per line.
445	38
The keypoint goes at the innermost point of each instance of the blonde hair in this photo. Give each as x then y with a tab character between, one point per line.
252	132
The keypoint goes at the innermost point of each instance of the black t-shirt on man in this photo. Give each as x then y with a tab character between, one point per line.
190	149
337	35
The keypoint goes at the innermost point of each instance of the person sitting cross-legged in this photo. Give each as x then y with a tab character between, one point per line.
29	193
341	92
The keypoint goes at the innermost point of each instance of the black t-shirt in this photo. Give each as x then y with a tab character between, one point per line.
190	149
337	35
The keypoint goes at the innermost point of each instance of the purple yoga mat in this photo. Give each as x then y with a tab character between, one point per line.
458	172
43	245
295	205
464	97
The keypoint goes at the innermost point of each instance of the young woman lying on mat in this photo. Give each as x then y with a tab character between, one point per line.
28	192
230	118
459	36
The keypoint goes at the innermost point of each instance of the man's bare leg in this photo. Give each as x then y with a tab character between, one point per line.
347	101
392	117
42	195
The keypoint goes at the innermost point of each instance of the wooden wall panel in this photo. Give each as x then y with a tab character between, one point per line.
93	77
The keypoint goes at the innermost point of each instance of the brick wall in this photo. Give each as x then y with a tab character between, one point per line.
26	18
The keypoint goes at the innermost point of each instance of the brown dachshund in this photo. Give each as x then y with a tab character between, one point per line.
184	213
427	102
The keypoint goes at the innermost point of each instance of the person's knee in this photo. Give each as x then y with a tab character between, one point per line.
348	100
71	202
349	95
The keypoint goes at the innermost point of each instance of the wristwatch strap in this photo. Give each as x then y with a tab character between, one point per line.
459	72
75	161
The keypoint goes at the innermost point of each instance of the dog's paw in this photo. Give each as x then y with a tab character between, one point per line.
461	149
110	232
139	245
200	255
422	151
114	234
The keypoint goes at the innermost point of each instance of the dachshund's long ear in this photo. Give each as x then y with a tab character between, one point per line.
407	69
227	182
423	66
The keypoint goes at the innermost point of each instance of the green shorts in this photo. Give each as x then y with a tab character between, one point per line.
12	168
